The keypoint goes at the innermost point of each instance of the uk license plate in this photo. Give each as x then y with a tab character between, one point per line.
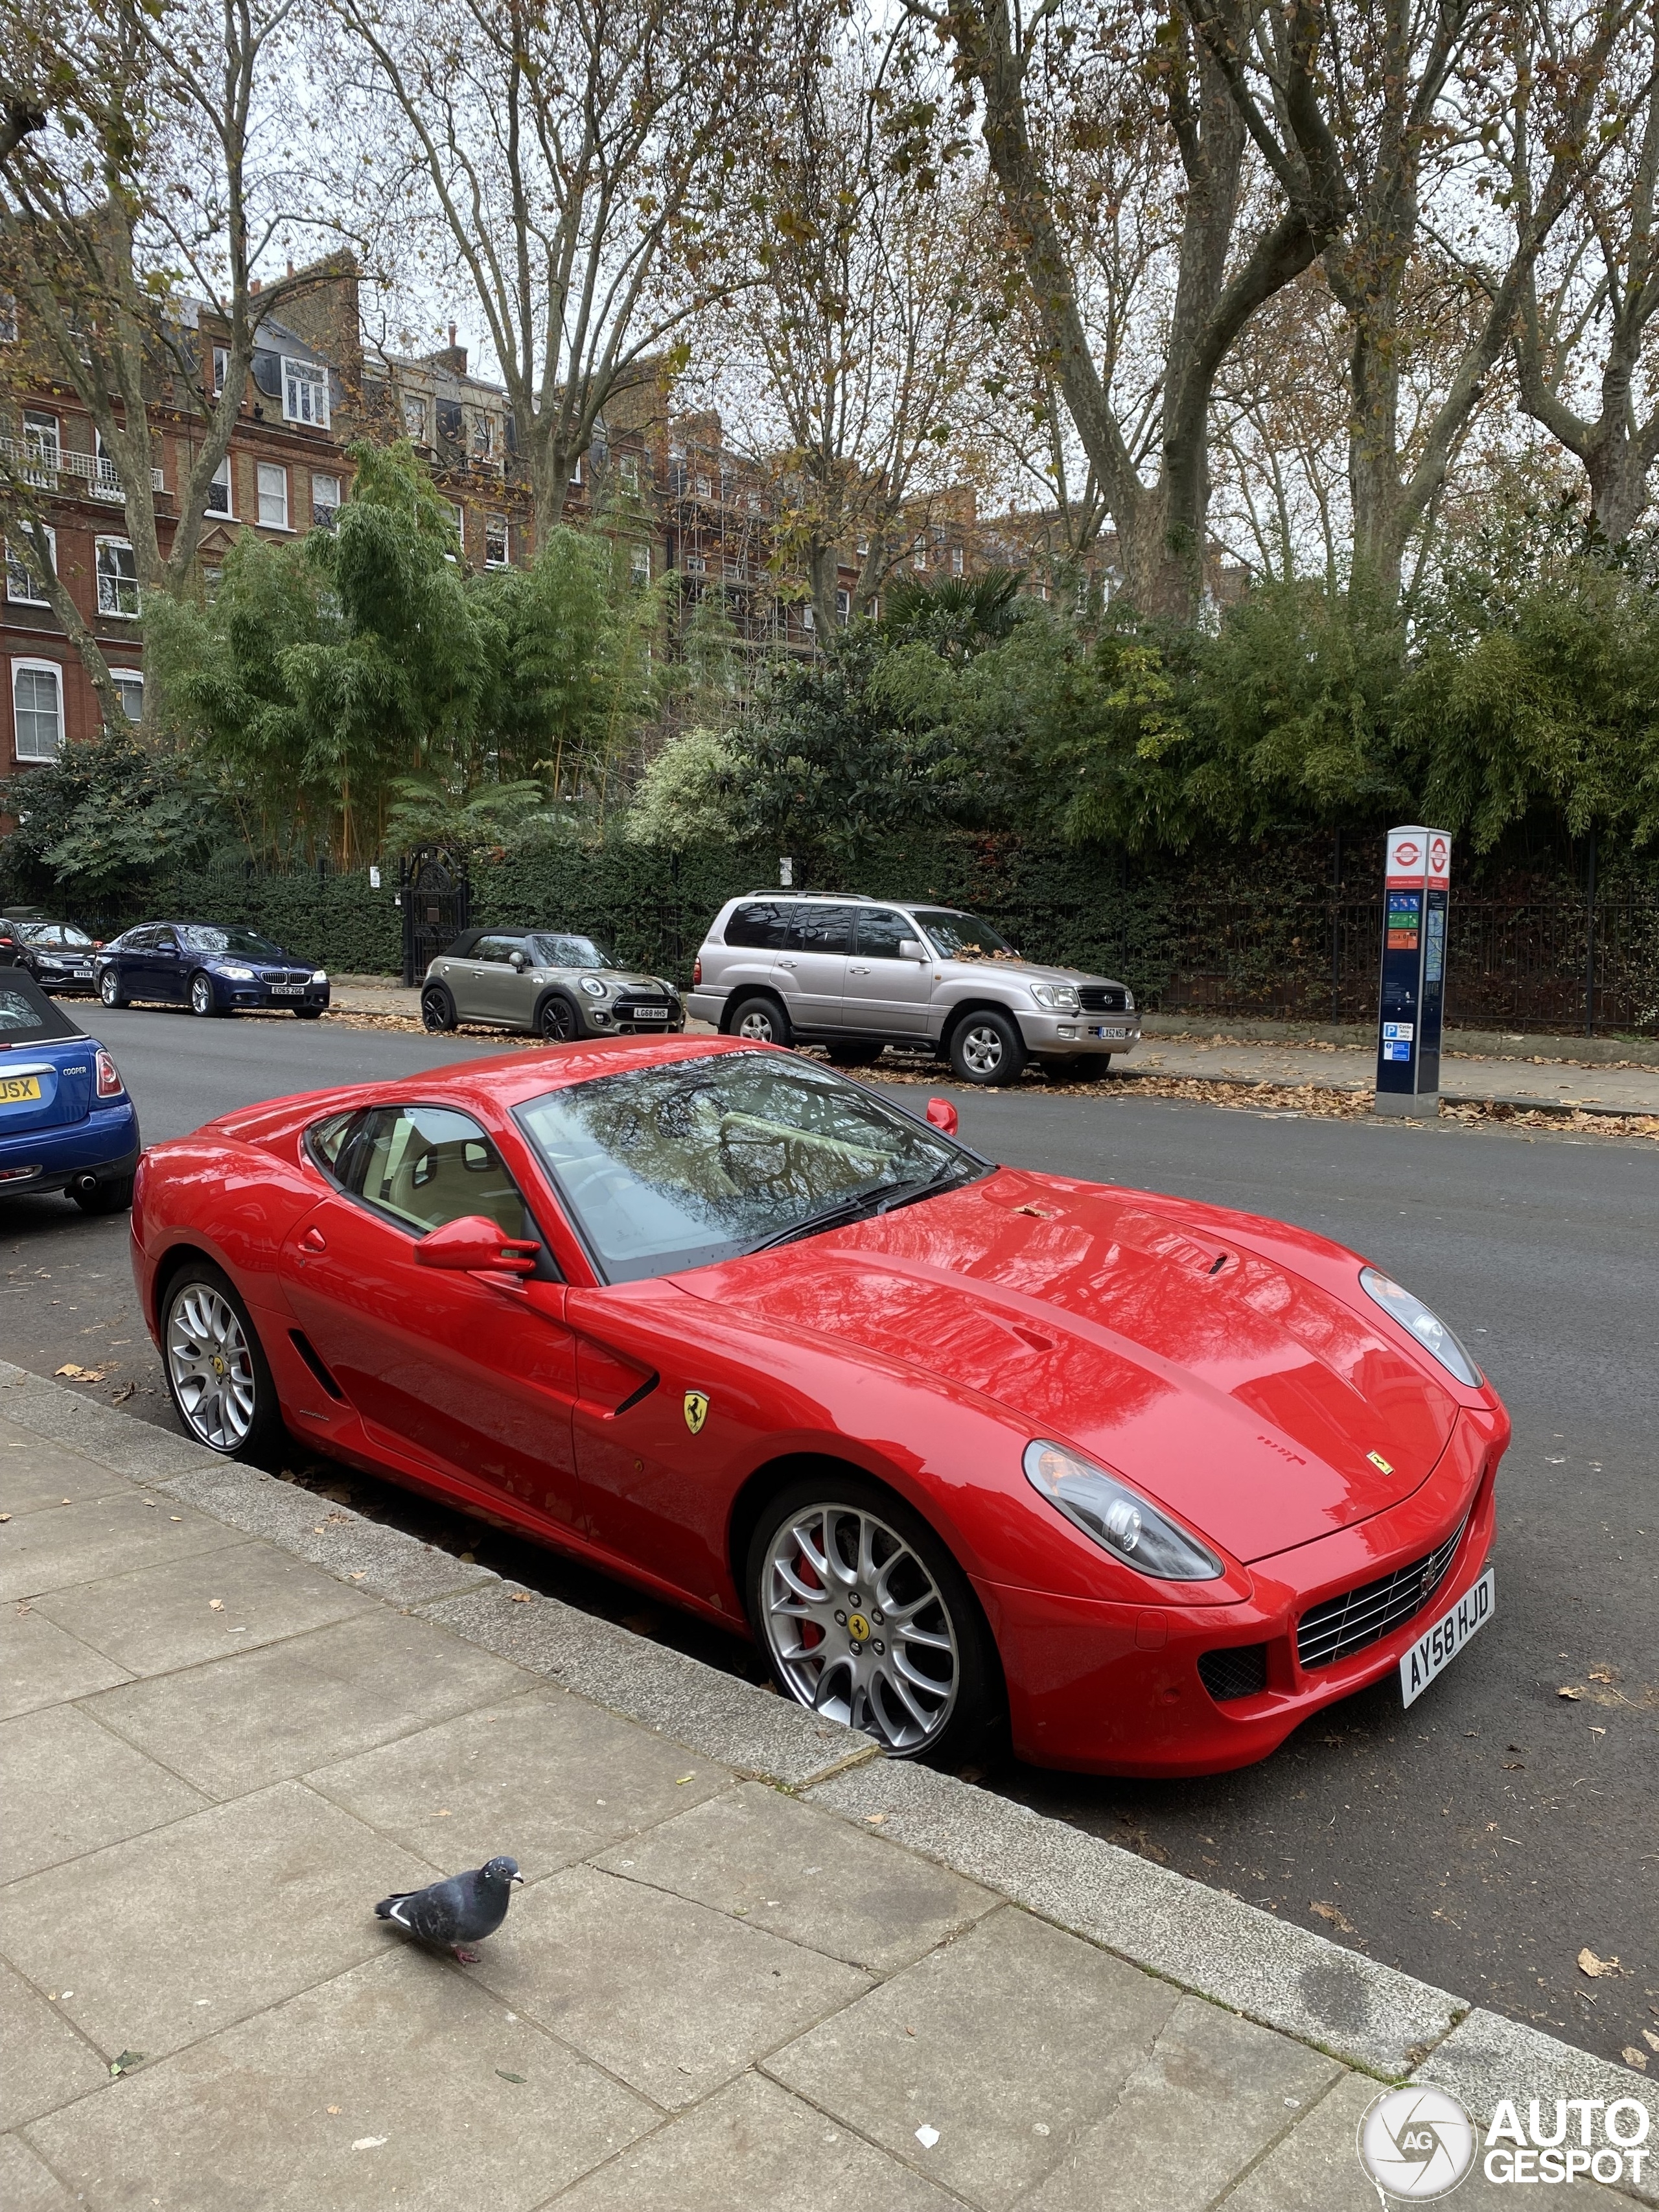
19	1090
82	974
1436	1649
650	1014
288	990
1109	1035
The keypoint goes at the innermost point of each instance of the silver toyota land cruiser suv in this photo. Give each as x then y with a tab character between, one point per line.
554	984
856	973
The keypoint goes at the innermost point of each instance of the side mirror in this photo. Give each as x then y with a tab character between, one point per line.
942	1116
518	961
910	948
472	1244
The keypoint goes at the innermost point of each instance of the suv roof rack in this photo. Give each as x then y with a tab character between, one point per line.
794	890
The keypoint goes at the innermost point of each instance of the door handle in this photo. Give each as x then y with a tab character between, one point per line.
853	969
314	1240
785	964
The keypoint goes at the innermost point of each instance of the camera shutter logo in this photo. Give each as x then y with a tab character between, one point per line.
1417	2144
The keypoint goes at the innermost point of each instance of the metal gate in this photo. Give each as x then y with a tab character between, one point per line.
436	900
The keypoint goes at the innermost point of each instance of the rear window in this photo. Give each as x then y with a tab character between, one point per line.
764	925
26	1012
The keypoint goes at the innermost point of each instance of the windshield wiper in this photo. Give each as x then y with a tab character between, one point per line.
883	1201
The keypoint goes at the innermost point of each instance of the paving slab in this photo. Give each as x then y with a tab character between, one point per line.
115	1791
753	2147
35	1474
184	1611
1056	2028
103	1433
26	2185
1212	2095
803	1873
671	1998
159	1941
393	2085
240	1723
546	1779
43	2062
41	1665
98	1537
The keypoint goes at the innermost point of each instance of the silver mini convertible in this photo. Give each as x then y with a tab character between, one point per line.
548	981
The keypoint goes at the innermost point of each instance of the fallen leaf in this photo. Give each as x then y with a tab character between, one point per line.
1651	2038
927	2137
5	1517
1567	1691
334	2109
1632	2056
1337	1918
1590	1964
368	2143
126	2063
1600	1674
518	1597
80	1374
215	1604
506	2077
680	1780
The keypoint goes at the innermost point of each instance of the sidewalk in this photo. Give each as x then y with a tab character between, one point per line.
754	1965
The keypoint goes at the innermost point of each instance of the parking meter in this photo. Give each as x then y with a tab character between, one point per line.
1415	884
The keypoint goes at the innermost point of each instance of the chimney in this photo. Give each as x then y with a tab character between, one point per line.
452	337
290	268
253	284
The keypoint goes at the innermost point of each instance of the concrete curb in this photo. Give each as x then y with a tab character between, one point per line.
1518	1102
1369	2015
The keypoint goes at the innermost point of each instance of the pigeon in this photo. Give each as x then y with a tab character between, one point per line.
453	1915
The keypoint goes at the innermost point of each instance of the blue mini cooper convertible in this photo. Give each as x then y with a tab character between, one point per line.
66	1122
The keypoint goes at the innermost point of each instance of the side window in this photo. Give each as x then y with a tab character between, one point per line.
140	940
823	929
326	1142
498	950
425	1165
764	927
881	932
164	940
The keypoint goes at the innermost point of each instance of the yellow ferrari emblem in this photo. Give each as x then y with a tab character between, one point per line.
857	1627
696	1410
1377	1460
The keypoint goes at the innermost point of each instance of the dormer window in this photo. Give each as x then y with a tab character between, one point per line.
305	393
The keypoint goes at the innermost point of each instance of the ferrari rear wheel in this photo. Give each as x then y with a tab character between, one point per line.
215	1366
867	1619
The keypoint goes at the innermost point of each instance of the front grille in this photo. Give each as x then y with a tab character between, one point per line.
1103	998
286	976
1347	1623
1240	1671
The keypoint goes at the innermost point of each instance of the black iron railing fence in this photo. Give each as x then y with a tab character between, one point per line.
1558	965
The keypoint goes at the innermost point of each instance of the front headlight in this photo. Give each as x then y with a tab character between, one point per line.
1430	1331
237	974
1120	1521
592	986
1058	997
319	975
1129	1002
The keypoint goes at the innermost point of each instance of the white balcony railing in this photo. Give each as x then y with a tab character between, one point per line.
44	468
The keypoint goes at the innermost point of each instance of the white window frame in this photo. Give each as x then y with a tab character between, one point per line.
420	434
639	564
843	606
221	368
919	555
263	469
129	679
300	378
703	487
35	594
480	419
504	559
319	507
115	580
459	513
627	468
225	481
808	619
55	670
695	564
956	560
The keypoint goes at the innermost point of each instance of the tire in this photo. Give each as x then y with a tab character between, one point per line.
113	1197
201	1000
109	989
233	1411
961	1716
556	1020
848	1053
760	1020
437	1008
987	1047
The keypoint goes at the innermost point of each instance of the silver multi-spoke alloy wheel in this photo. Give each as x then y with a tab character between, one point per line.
758	1027
983	1049
857	1626
201	996
210	1366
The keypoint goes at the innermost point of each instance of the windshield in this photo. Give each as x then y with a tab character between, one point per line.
965	937
244	944
679	1165
570	952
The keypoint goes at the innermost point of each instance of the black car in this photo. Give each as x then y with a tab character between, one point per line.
57	954
212	967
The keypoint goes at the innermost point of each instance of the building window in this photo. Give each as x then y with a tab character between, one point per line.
118	577
481	433
459	514
864	548
7	319
305	393
414	419
956	560
694	564
919	554
23	583
639	564
42	442
325	502
843	606
495	541
808	620
576	470
629	469
754	502
273	495
704	487
735	568
221	368
218	498
130	687
37	706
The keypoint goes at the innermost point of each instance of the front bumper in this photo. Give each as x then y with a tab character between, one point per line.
64	982
606	1022
260	998
106	1145
1064	1036
1115	1689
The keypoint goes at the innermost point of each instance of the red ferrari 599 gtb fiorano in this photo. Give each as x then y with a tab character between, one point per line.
1139	1483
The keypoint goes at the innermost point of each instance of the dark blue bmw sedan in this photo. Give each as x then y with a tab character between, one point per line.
212	967
66	1122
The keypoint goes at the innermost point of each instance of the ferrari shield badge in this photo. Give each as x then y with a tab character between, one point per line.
696	1410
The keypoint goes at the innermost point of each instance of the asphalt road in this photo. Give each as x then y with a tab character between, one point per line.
1481	1840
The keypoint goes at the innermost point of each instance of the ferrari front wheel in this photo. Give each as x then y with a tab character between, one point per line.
866	1618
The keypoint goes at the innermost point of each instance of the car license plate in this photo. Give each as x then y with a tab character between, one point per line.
288	990
19	1090
1436	1649
650	1014
82	974
1108	1034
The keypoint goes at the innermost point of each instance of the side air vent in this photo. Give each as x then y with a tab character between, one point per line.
1239	1671
307	1351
